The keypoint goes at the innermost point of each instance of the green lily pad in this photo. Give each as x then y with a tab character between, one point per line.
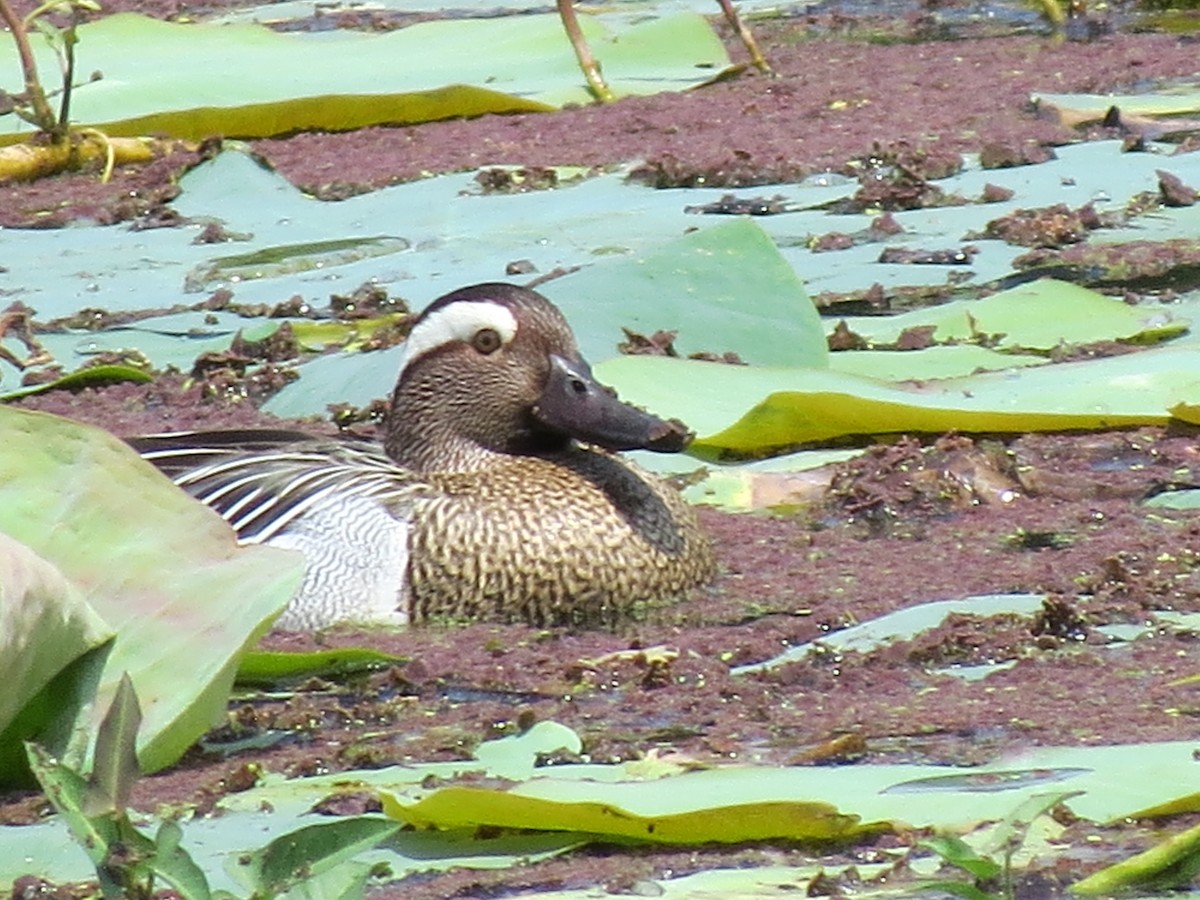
194	80
1103	782
319	335
165	573
949	361
799	406
266	668
1189	499
291	860
901	625
1160	104
724	289
471	807
1040	315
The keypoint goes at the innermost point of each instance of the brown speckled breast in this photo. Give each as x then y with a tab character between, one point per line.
573	539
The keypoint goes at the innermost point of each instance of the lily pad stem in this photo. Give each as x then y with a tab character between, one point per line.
110	154
747	36
587	62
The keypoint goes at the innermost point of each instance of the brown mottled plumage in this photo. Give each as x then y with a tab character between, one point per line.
574	539
499	496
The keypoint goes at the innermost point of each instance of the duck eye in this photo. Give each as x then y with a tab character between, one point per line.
486	340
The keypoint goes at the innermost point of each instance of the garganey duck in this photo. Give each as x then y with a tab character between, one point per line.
496	493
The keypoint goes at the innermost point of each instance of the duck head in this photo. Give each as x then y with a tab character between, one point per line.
494	369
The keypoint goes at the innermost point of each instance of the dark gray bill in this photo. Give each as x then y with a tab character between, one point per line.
574	403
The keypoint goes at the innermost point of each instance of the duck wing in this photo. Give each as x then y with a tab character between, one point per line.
262	481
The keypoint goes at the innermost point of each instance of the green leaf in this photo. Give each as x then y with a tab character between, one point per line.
517	756
104	834
114	762
173	863
1012	832
784	483
1171	864
1179	101
120	853
1189	499
89	377
905	624
946	361
958	853
67	790
1188	803
164	572
52	650
290	259
310	851
350	334
328	112
264	668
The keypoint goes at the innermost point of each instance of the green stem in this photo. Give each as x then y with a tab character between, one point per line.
42	113
69	39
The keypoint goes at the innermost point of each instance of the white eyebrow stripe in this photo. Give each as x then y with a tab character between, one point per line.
457	322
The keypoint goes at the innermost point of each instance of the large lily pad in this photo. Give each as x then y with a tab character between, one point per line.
194	80
723	289
163	572
806	405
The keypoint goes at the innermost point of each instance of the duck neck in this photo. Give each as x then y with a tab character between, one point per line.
433	427
438	449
